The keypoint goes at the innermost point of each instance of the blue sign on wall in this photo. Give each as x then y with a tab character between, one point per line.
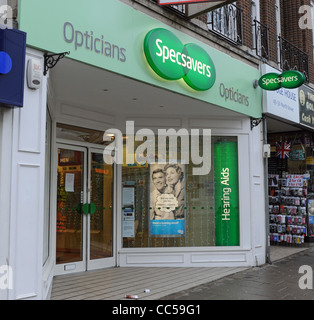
12	67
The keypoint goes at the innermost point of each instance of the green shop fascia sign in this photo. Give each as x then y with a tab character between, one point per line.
288	79
112	38
172	60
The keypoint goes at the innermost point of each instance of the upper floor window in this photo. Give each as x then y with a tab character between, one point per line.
226	21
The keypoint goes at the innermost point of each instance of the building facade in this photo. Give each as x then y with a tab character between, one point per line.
287	31
141	143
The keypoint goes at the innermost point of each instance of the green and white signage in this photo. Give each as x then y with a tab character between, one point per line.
288	79
115	37
172	60
227	229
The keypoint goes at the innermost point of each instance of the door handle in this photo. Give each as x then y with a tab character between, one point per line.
89	208
86	208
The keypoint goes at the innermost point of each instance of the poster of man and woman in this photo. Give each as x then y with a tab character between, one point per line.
167	199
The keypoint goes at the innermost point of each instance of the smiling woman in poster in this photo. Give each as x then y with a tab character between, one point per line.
175	186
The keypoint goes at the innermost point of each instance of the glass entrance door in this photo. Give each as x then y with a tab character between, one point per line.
84	223
100	218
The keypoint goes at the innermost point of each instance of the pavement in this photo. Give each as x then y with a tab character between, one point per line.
279	280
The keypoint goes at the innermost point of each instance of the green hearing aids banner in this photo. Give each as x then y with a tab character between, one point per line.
172	60
226	194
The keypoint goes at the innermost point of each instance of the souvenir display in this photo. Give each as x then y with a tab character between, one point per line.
310	207
291	188
287	209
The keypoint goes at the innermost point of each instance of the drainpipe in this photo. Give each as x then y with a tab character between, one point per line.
268	260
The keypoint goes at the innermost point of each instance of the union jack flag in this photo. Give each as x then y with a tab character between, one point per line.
283	150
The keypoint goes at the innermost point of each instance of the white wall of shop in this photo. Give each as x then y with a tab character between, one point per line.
5	193
27	191
257	206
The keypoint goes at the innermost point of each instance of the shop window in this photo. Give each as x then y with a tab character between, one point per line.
291	153
165	205
227	22
291	186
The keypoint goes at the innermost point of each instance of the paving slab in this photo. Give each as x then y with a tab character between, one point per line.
276	281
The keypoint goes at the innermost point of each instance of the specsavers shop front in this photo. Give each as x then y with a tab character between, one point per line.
136	147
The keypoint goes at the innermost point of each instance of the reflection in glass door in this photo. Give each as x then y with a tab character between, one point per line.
101	211
70	198
84	226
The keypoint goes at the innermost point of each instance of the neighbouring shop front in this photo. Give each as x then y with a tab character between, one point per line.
290	166
151	158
